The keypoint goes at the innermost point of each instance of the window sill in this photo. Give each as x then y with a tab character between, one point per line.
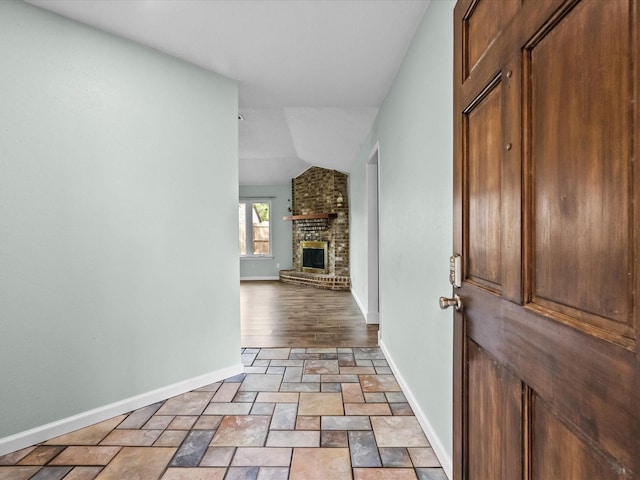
257	257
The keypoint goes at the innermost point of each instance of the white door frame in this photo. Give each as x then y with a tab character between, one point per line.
373	236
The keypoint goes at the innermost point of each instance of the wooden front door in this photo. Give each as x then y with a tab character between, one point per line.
547	220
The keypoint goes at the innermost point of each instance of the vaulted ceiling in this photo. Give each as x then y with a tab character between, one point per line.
312	74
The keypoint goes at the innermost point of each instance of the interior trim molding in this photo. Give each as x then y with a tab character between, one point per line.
51	430
432	436
267	277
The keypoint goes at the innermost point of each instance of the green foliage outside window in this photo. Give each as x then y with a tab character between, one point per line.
262	210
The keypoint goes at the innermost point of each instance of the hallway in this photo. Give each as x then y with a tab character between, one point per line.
275	314
296	413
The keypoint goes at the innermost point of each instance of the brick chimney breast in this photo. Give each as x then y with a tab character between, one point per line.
323	191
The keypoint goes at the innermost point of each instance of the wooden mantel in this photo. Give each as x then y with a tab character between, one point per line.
311	216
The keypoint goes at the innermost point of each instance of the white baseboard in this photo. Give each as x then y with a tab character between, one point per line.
60	427
359	303
432	436
369	317
259	278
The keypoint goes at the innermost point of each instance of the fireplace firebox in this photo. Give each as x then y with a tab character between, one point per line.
314	256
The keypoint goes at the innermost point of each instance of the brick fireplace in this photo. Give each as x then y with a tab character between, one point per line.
320	216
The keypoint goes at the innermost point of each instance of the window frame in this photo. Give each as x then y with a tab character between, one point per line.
248	202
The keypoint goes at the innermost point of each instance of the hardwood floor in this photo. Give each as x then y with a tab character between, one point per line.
275	314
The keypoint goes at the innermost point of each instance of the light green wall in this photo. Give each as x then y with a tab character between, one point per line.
414	130
118	193
280	196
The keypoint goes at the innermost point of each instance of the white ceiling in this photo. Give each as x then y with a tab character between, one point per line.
311	73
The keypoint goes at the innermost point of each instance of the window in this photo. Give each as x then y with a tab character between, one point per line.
255	233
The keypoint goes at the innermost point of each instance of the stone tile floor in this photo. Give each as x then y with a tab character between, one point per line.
296	413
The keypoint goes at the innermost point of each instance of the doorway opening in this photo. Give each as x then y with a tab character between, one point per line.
373	238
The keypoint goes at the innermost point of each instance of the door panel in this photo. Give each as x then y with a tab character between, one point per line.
546	217
484	137
548	461
497	408
482	24
581	159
